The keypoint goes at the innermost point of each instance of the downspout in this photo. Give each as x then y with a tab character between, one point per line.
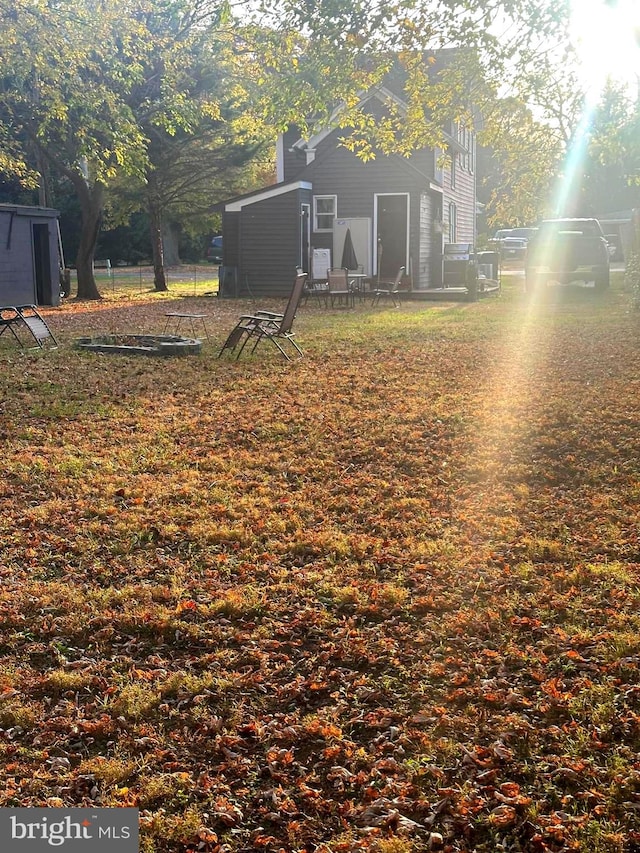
11	218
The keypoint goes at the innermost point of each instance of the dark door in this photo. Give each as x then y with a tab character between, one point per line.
391	217
305	237
42	265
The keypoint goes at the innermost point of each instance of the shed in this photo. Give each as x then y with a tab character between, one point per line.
266	237
30	260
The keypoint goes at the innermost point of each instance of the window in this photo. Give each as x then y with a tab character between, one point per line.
454	157
324	212
453	223
466	138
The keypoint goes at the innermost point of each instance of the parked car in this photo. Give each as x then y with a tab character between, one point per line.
566	251
496	241
513	251
523	233
214	252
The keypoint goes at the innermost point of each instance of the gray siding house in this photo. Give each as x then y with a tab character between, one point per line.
399	211
29	256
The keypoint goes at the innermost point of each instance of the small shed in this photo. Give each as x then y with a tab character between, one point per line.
30	261
266	237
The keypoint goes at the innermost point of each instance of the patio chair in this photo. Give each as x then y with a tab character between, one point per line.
317	291
26	317
267	325
339	287
389	290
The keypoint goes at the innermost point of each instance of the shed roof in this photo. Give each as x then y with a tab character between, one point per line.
27	210
235	204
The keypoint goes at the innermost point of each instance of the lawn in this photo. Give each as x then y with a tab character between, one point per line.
385	598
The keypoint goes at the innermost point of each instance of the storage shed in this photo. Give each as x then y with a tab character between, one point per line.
266	237
30	260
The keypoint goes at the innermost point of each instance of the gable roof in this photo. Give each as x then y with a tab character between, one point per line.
236	203
391	91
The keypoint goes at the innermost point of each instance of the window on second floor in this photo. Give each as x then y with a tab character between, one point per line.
324	212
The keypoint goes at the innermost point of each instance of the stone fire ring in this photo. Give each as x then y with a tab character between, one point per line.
156	345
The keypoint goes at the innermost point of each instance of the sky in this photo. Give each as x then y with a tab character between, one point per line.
607	35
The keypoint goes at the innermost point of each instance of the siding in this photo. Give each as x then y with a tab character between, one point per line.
339	172
269	245
422	273
267	234
293	162
17	273
463	196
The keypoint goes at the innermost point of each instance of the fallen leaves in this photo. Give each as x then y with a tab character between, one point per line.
382	599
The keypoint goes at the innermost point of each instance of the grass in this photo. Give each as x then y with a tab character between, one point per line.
383	598
135	282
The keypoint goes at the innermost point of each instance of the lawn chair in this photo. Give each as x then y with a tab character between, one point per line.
389	290
26	317
317	291
267	325
339	287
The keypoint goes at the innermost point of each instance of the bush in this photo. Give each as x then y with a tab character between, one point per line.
632	277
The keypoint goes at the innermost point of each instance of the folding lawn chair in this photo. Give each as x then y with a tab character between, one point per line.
26	317
267	325
389	290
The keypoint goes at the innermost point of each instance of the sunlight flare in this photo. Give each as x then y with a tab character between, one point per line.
606	34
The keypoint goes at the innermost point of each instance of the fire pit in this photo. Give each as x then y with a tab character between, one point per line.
157	345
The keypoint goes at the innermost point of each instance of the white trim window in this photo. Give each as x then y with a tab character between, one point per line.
325	210
453	222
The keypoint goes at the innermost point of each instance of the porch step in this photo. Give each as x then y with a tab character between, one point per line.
450	294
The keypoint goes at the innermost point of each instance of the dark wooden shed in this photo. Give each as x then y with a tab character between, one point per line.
30	260
266	237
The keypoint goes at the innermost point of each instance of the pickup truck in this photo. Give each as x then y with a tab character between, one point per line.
567	250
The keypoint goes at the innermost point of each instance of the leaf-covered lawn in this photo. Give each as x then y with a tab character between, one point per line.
386	598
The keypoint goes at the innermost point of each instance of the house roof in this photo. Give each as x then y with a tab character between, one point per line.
618	216
390	92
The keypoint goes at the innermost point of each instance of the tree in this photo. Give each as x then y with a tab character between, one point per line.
313	55
64	76
187	172
84	79
317	54
520	160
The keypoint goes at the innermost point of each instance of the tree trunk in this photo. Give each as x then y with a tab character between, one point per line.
155	225
170	242
91	200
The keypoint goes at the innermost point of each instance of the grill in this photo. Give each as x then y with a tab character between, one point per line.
456	259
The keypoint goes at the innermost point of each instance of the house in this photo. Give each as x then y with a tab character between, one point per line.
399	211
29	256
617	227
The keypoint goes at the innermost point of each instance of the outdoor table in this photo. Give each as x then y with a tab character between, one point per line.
177	318
357	282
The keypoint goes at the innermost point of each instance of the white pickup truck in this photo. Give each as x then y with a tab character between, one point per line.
565	251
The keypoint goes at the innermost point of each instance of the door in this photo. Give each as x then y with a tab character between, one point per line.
42	265
305	237
392	231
